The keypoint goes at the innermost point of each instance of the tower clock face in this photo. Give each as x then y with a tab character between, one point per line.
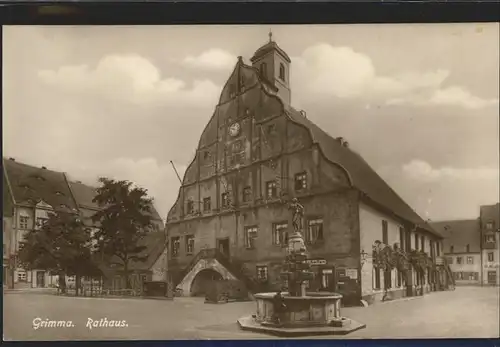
234	129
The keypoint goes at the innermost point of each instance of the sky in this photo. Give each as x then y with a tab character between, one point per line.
419	102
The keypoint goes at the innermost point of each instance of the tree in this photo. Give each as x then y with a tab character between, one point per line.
62	245
384	259
124	218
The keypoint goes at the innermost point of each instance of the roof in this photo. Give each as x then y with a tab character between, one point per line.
459	234
268	47
490	213
29	184
84	194
155	243
362	176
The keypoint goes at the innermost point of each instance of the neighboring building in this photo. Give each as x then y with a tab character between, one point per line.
462	249
229	220
489	217
34	193
7	220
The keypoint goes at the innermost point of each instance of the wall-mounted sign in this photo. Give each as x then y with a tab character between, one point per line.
316	261
492	265
352	273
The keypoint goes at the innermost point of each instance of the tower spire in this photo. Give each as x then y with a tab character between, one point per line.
270	35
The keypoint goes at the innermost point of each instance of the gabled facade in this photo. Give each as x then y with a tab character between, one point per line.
489	217
462	249
30	194
256	153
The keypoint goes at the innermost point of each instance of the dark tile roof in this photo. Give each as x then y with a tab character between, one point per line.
490	213
268	47
362	176
84	194
8	206
459	234
30	184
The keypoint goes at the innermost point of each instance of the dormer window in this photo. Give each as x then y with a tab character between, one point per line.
206	155
282	72
59	193
190	206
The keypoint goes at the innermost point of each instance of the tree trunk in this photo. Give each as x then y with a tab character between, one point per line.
77	284
62	281
126	276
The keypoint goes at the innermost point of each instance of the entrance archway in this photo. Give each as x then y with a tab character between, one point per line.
201	281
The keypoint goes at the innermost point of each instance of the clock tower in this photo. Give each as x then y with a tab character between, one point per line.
274	69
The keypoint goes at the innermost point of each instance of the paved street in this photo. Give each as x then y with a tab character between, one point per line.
465	312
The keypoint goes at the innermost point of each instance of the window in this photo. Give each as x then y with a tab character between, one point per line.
490	238
206	155
423	243
301	181
459	275
262	273
467	249
491	256
271	128
271	190
489	225
225	200
376	283
23	222
451	249
263	70
314	231
470	260
176	245
416	242
280	234
40	222
282	72
21	276
250	235
190	206
189	244
473	276
459	260
385	236
247	194
400	278
232	90
207	204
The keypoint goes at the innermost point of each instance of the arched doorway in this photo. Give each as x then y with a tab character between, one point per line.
201	281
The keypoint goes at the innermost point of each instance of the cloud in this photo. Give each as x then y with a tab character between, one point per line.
422	171
212	59
132	79
345	73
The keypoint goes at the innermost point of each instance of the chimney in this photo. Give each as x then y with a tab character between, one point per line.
303	113
80	182
13	159
44	167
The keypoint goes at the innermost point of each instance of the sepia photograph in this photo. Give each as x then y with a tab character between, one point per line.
244	182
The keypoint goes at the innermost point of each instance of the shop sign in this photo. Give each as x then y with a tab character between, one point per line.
352	273
492	265
316	261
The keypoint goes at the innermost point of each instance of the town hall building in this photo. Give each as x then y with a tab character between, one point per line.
257	153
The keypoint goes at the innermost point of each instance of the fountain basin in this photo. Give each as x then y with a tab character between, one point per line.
316	313
314	309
